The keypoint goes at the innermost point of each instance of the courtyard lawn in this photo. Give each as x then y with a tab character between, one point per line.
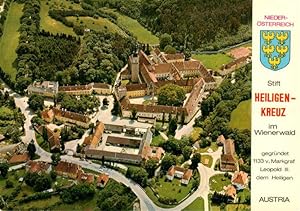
132	25
51	25
204	158
157	140
197	204
241	116
213	61
99	24
125	82
196	133
10	39
217	182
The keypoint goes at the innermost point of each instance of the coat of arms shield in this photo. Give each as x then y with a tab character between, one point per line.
275	48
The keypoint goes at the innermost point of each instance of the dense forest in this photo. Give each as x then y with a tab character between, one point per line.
103	54
95	57
192	23
216	110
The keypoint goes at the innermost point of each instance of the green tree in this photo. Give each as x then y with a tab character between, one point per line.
77	192
195	160
31	149
116	108
105	102
172	126
164	40
150	167
168	161
133	113
65	134
137	174
4	169
55	157
169	49
186	152
37	121
9	184
53	175
36	102
43	182
171	94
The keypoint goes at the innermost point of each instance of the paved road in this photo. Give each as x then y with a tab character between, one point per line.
188	128
21	102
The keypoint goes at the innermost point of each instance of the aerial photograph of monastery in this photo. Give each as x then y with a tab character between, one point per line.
125	105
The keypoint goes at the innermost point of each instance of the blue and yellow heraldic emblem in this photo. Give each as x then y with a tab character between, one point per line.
275	48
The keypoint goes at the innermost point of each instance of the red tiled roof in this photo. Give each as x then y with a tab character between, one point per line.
71	115
240	52
240	178
38	166
231	191
66	167
175	56
97	134
154	153
192	101
101	86
136	87
187	173
53	138
75	88
229	146
85	177
102	179
157	51
21	158
47	114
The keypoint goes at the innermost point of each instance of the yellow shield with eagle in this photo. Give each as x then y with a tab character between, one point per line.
275	48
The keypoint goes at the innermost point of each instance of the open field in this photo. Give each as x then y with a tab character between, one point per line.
197	204
142	34
213	61
51	25
153	198
164	187
10	39
99	24
241	116
237	207
217	182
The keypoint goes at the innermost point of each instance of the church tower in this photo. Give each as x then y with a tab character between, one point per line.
133	65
